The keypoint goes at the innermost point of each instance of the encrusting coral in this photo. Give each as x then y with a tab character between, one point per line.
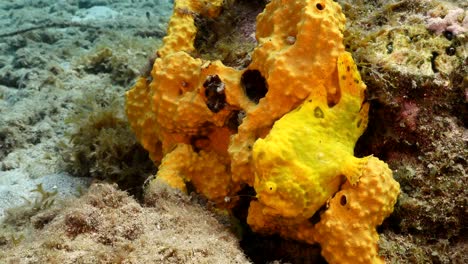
286	125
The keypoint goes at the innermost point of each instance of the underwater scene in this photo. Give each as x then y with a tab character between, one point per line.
233	131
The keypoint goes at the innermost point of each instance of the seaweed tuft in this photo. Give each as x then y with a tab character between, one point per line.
101	145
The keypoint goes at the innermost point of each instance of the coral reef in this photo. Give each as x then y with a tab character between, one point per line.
417	83
108	226
454	21
285	125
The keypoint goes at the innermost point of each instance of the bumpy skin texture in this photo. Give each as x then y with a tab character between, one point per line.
294	146
353	213
300	163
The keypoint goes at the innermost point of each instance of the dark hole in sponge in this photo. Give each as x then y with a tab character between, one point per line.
254	84
199	142
235	119
343	200
214	92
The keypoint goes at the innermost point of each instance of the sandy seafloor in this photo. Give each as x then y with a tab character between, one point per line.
42	76
51	69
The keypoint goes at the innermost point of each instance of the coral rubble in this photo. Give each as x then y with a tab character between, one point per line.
416	82
108	226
